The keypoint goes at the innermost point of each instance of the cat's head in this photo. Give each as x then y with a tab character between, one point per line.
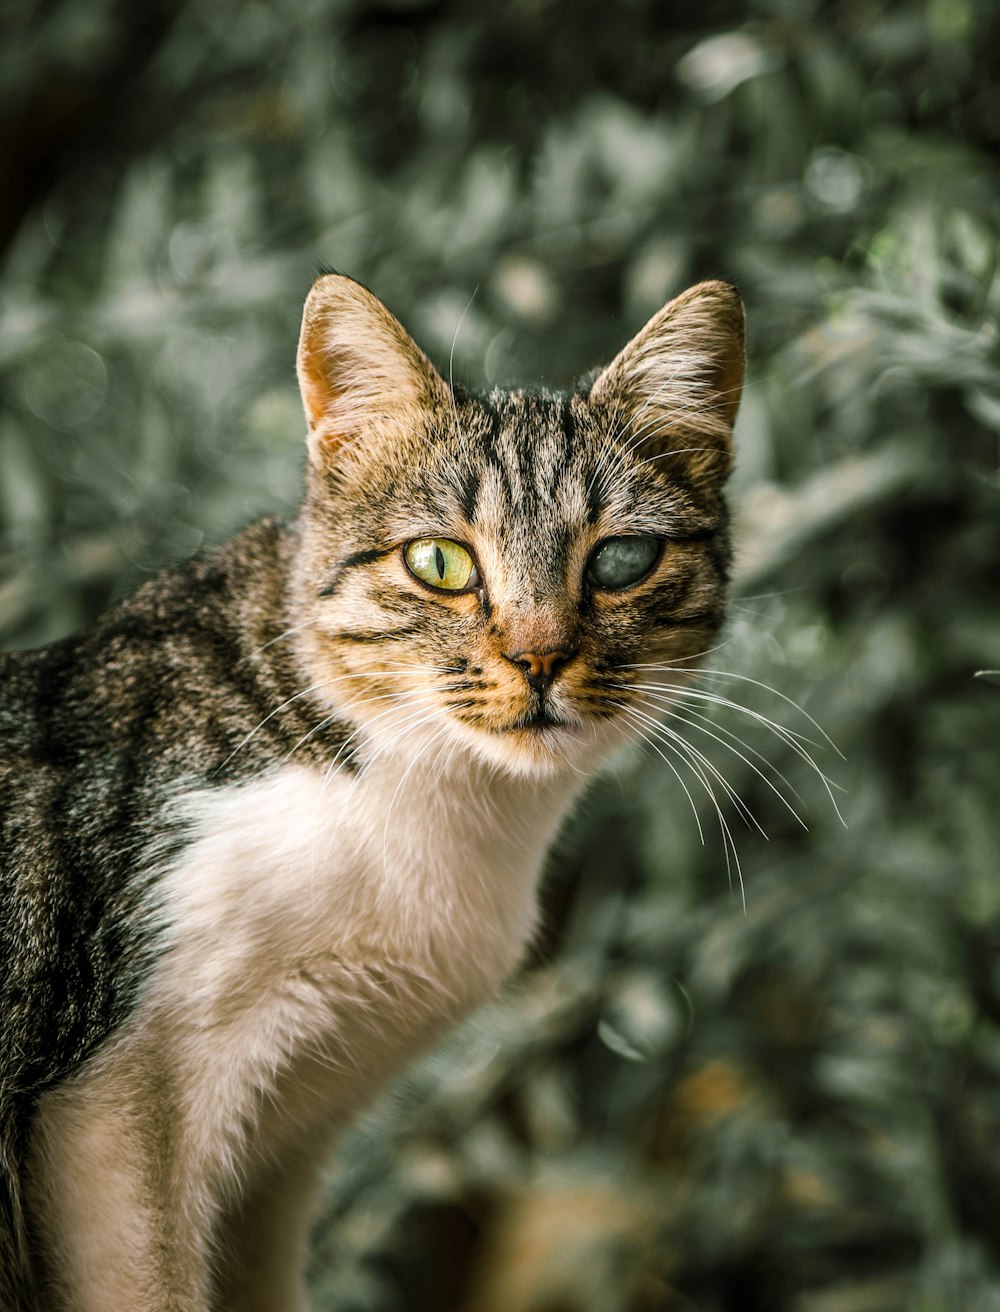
499	573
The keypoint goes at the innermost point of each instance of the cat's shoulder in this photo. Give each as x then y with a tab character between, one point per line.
182	639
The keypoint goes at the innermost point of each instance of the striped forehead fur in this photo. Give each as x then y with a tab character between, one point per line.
363	377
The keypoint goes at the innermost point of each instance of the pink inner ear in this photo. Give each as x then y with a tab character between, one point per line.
313	362
316	393
320	370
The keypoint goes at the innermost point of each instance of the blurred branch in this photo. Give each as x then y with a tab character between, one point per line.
774	524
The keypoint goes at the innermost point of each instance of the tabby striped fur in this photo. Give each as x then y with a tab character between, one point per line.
279	818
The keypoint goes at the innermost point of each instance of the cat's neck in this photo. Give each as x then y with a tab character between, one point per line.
444	797
459	849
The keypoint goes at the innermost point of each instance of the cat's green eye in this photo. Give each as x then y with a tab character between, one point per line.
622	562
442	564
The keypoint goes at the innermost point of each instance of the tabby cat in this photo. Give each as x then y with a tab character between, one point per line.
278	820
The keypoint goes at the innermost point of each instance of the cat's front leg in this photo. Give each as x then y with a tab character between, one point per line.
263	1238
112	1231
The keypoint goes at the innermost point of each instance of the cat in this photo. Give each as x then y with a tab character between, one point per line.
278	819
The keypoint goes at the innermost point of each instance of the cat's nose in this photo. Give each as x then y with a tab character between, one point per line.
540	667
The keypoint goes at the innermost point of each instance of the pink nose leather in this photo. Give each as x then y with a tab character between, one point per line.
540	666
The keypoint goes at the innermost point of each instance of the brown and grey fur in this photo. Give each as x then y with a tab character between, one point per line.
278	819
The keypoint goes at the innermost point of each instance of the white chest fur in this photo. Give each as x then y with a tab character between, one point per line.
318	931
391	866
335	923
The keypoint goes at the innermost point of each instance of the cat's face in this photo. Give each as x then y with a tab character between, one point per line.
495	574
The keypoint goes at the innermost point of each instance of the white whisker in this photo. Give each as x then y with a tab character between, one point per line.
658	727
668	694
281	636
728	842
675	714
651	743
327	683
746	678
451	358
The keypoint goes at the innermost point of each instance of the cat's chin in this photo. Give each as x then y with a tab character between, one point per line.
545	750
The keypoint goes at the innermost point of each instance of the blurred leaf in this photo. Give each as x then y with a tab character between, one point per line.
680	1104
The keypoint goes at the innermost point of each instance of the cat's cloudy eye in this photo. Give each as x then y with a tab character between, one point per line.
442	564
622	562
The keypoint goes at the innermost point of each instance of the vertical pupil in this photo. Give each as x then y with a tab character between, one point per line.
439	562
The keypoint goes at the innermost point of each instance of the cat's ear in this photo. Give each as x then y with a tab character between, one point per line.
675	388
361	375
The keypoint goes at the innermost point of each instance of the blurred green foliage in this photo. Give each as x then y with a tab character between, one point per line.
682	1104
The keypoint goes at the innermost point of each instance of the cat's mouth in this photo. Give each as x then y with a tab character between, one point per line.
541	719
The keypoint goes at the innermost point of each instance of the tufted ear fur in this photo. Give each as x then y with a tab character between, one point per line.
361	375
675	388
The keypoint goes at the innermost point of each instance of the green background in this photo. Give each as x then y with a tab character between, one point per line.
681	1104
